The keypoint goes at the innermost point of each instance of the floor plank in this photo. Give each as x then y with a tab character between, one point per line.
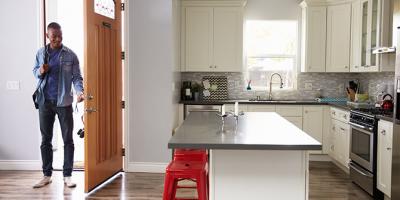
326	182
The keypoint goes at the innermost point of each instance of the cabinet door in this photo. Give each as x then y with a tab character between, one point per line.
333	137
297	121
355	54
313	39
198	23
228	39
338	38
343	143
261	108
385	137
313	121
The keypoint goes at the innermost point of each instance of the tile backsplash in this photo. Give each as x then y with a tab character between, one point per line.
331	84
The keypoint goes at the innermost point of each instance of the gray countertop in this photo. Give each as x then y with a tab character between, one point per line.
254	131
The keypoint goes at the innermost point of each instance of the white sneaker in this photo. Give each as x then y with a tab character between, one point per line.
68	182
43	182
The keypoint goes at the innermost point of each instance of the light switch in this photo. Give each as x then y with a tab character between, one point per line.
12	85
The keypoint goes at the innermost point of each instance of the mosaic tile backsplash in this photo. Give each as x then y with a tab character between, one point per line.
330	85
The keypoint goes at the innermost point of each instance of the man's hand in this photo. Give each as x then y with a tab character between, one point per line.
44	68
80	98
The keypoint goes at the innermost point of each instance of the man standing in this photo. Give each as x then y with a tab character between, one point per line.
57	69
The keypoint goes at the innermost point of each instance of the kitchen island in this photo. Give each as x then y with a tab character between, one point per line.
260	156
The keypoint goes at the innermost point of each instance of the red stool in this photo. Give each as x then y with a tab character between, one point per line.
178	170
190	155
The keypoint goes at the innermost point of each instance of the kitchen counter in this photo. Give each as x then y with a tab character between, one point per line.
264	155
255	130
220	102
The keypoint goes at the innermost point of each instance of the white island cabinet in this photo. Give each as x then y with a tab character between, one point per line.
261	156
385	142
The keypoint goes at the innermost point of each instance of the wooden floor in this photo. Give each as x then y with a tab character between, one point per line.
326	182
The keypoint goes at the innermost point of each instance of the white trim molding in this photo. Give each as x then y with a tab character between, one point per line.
148	167
20	165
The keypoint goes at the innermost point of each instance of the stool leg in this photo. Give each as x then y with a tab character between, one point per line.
174	188
202	187
168	186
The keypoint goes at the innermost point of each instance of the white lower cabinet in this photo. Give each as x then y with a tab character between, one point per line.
261	108
385	138
313	122
297	121
340	137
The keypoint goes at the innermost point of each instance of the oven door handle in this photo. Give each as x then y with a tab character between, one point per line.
358	170
360	126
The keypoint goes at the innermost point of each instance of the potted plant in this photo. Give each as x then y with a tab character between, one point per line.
196	89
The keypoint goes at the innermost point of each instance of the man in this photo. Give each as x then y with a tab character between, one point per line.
56	68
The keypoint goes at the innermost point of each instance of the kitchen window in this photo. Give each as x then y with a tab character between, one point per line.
271	47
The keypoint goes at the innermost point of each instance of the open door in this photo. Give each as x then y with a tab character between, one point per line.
103	89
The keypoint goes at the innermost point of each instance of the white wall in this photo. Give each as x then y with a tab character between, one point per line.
272	10
19	128
151	66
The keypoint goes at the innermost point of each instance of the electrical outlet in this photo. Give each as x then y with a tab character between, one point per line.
308	86
341	87
12	85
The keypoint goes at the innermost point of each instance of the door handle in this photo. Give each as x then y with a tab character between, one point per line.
90	110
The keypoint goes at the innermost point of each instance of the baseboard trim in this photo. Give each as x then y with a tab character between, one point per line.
148	167
320	157
20	165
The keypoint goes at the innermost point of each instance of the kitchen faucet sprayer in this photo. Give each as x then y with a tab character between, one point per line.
270	84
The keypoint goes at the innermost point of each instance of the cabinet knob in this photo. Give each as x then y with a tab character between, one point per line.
383	132
215	66
345	67
305	111
333	113
211	66
389	148
356	66
342	129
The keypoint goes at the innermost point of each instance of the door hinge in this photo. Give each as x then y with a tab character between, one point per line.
123	55
122	6
123	104
123	151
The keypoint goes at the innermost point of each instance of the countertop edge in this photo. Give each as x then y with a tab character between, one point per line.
245	147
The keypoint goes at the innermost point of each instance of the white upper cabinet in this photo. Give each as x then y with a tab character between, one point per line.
199	38
370	30
313	38
212	36
338	38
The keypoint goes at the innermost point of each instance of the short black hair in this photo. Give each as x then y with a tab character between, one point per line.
54	25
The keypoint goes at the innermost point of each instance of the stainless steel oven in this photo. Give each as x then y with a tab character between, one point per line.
362	146
363	150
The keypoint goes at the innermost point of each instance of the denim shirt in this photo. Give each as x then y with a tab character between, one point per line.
69	74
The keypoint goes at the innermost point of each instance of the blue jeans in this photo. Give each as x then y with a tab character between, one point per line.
47	113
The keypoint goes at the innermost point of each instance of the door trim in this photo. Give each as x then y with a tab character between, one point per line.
127	82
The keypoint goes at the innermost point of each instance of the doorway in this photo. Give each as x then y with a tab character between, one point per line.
71	15
73	35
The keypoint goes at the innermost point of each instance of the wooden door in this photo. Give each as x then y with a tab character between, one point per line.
103	89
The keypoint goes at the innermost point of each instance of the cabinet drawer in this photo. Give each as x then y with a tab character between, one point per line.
341	115
261	108
290	111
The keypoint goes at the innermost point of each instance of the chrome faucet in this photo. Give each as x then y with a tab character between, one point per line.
270	85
